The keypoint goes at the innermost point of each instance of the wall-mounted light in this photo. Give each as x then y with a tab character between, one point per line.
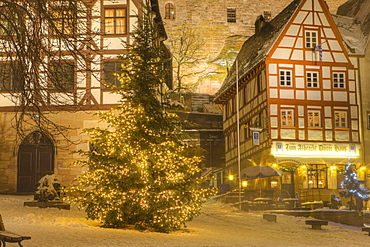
274	184
244	183
231	177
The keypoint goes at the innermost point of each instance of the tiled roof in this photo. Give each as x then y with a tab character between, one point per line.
257	47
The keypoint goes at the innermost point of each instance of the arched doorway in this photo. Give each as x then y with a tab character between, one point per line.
35	160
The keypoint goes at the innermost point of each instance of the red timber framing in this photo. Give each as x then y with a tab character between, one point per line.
301	85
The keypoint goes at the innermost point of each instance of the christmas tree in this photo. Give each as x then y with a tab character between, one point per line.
353	187
139	171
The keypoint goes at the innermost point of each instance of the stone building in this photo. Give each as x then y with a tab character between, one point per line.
353	22
24	162
223	26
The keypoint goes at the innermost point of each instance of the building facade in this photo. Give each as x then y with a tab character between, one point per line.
298	98
223	26
106	24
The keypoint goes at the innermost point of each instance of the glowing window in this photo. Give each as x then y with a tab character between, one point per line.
64	18
340	119
287	118
316	175
115	21
169	11
314	119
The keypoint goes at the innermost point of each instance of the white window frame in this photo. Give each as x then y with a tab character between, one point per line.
340	120
311	39
285	78
287	117
339	80
313	118
312	79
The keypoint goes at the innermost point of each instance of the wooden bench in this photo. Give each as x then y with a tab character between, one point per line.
366	229
270	217
9	237
316	224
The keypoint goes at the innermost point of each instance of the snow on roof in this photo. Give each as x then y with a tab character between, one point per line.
256	48
352	34
353	22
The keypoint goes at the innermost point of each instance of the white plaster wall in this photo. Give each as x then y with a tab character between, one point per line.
339	57
329	135
286	94
287	133
340	96
293	30
300	95
282	53
273	68
313	95
327	96
342	135
315	135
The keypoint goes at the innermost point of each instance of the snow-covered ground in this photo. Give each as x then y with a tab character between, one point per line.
218	225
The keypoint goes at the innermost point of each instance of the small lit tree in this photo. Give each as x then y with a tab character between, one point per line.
139	171
353	187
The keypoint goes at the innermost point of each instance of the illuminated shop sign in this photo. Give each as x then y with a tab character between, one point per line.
315	149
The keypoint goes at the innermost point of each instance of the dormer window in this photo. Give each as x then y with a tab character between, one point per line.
311	39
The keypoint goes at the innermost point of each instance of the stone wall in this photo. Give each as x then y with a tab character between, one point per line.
62	153
222	39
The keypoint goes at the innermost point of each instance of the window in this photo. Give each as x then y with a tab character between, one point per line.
316	175
339	81
340	119
64	18
311	39
286	78
287	118
109	69
312	79
10	78
62	75
169	11
314	119
115	21
10	20
231	14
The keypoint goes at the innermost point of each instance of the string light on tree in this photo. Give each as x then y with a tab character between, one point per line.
140	171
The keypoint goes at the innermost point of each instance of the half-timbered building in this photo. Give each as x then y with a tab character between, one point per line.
291	101
108	26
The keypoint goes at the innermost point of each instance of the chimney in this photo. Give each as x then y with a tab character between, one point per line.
262	20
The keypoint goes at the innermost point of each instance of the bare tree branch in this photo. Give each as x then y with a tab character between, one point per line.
44	45
186	45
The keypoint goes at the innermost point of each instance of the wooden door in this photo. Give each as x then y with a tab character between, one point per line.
35	160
